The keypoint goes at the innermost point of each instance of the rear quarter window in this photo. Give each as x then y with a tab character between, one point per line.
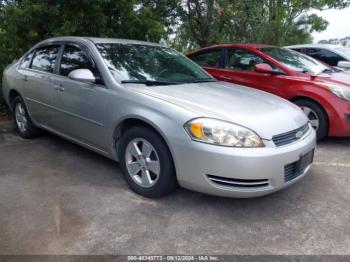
25	62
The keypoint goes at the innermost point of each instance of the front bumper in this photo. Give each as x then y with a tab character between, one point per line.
339	118
264	168
341	125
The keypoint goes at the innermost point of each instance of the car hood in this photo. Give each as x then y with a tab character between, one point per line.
266	114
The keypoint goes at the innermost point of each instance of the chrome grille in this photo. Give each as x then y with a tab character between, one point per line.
242	183
291	136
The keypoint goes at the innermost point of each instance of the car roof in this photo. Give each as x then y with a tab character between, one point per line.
98	40
239	45
325	46
255	45
242	45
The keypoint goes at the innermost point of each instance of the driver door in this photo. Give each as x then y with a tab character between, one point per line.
239	69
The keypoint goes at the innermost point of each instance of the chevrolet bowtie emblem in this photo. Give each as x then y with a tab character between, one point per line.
299	134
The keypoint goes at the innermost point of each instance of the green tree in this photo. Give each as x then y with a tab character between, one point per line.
185	24
26	22
279	22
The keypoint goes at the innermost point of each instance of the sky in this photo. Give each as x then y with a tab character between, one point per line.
339	25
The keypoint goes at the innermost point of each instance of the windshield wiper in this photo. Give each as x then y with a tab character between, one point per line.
312	73
150	82
338	69
202	80
327	70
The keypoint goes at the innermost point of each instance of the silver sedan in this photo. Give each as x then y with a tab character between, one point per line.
161	116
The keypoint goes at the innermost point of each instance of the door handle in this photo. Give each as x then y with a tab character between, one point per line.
24	77
59	88
225	77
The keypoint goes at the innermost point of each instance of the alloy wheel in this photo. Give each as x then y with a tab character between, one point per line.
312	116
21	118
142	162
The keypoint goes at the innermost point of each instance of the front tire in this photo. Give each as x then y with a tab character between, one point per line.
24	125
146	162
316	115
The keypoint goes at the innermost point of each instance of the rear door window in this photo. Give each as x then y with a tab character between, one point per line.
45	59
210	58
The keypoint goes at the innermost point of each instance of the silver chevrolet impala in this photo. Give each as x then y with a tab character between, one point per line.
161	116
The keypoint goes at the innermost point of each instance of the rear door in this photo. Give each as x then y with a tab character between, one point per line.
81	106
37	72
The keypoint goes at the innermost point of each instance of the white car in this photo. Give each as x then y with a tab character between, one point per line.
333	55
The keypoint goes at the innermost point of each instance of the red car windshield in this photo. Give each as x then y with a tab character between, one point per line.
296	61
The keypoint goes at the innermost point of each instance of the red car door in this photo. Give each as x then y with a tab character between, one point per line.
238	68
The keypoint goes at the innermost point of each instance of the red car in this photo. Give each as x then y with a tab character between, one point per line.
322	92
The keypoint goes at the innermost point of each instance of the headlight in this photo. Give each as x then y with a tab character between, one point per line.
222	133
338	90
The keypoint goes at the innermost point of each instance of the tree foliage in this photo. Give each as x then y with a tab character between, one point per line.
184	24
26	22
279	22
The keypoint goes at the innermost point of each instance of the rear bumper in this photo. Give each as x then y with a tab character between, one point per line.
262	168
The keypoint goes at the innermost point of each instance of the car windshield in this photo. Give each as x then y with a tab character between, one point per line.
296	61
140	63
345	51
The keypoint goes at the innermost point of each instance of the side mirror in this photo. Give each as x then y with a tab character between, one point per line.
344	64
83	75
263	68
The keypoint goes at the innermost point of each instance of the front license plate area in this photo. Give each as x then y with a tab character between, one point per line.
305	161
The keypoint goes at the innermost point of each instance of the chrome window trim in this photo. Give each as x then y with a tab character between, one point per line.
57	75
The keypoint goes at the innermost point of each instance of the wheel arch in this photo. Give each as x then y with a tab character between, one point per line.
11	97
294	99
132	121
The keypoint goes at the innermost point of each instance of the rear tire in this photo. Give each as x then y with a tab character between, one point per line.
146	162
316	115
24	125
